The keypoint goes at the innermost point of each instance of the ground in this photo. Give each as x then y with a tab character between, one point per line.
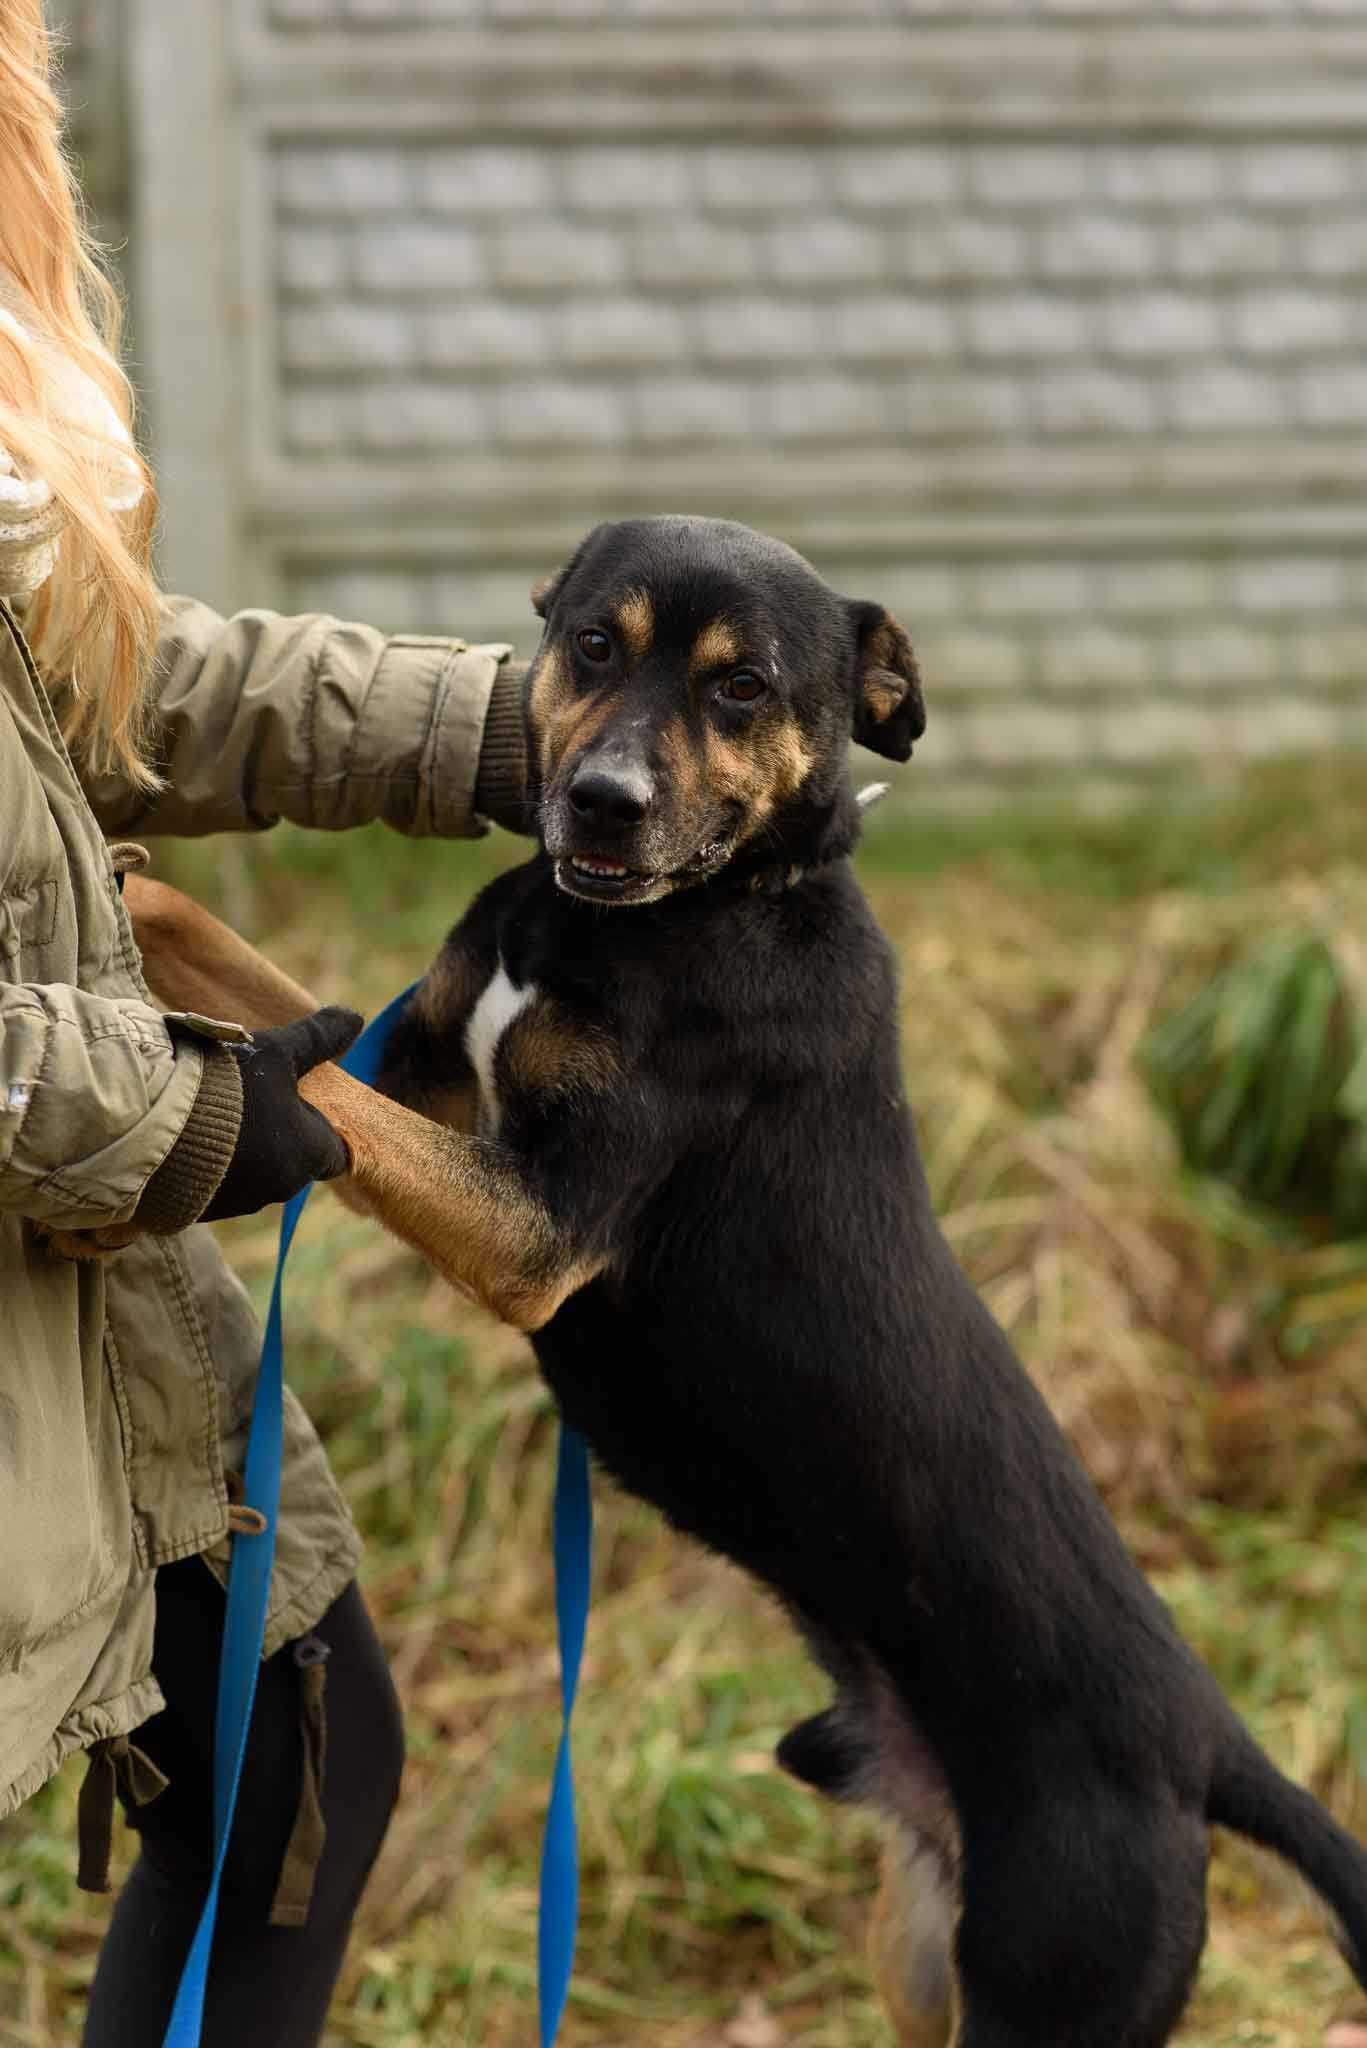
1205	1354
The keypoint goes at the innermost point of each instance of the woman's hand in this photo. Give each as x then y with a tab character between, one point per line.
283	1142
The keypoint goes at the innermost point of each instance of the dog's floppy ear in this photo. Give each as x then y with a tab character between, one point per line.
546	589
543	591
889	710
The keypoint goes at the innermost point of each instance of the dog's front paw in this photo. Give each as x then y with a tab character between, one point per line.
87	1244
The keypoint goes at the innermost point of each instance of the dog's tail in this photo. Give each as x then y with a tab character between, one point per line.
1249	1794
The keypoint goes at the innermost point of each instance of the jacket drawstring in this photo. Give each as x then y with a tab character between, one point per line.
299	1865
116	1766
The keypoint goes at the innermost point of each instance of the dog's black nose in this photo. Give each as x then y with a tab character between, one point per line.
610	797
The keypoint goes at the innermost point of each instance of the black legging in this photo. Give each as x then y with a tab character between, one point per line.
269	1987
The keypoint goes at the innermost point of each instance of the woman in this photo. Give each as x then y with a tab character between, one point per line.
126	1384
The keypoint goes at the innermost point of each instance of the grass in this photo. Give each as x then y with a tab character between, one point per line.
1264	1070
1202	1343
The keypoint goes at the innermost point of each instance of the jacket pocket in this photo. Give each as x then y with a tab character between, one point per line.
28	923
62	1479
168	1400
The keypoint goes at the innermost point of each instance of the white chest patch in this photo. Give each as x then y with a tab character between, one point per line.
489	1019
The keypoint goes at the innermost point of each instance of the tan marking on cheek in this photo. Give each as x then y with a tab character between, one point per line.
550	695
683	774
715	646
760	773
790	760
544	1052
731	770
635	617
735	774
575	730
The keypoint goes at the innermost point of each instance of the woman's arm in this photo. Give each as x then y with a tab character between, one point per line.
106	1109
261	717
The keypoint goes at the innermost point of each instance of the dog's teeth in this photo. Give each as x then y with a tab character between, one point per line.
599	867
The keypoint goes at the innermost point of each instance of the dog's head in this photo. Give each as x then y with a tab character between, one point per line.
693	696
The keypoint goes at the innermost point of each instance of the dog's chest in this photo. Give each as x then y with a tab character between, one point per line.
501	1003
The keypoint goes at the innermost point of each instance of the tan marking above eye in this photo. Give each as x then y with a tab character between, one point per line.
635	617
716	645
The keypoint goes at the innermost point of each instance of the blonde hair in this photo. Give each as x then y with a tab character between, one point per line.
93	625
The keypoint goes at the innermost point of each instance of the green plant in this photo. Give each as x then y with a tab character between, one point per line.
1264	1073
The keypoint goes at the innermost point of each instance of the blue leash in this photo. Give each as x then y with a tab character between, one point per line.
244	1629
559	1850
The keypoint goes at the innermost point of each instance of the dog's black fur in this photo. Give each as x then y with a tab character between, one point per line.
777	1346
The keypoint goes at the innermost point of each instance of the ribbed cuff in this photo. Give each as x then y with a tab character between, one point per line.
501	782
187	1180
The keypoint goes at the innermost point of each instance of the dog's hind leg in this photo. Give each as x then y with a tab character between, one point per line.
865	1749
912	1943
1083	1918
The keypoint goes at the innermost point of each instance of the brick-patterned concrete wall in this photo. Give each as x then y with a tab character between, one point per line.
1045	324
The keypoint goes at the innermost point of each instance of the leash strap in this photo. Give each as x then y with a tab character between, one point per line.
244	1630
249	1580
560	1849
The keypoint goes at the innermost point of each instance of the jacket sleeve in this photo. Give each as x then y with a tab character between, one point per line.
260	717
106	1109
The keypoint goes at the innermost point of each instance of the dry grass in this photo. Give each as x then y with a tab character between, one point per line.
1207	1358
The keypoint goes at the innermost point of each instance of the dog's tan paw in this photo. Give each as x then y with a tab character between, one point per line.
912	1943
88	1244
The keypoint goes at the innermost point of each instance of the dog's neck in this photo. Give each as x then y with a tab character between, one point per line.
808	837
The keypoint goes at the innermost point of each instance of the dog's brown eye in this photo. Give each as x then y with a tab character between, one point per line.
744	687
593	645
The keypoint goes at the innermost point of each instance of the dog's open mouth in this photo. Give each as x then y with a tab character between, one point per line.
599	879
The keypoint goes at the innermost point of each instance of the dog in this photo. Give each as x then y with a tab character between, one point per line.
647	1105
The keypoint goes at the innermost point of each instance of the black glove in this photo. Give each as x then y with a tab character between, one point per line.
283	1142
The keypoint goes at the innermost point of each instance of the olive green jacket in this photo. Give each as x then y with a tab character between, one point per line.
126	1383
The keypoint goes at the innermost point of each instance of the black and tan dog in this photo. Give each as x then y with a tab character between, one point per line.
648	1107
